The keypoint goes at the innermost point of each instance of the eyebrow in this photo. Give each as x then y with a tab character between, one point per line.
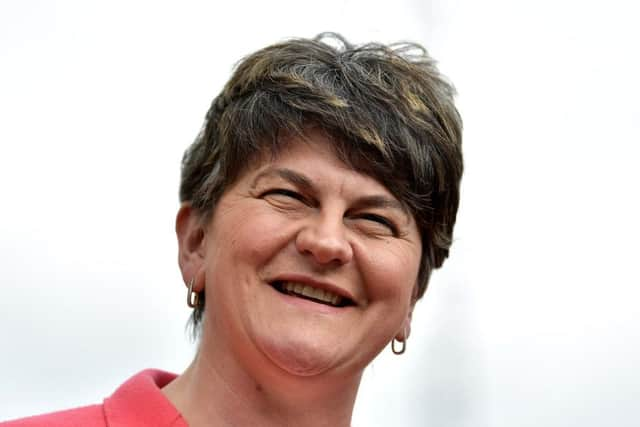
380	201
374	201
286	174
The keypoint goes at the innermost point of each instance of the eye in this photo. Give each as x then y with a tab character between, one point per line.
284	198
380	220
283	192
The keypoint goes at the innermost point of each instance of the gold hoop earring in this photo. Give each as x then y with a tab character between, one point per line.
193	298
402	349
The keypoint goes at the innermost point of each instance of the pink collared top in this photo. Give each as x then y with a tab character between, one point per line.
138	402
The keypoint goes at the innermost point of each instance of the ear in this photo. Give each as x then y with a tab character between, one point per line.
405	329
191	245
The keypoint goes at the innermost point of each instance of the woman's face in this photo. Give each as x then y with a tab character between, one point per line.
309	263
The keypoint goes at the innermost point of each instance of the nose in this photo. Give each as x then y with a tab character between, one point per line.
324	238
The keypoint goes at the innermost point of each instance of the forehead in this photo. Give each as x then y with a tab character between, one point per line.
312	159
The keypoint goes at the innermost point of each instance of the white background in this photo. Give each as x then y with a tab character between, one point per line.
532	322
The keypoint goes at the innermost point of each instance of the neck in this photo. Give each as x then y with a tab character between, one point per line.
217	390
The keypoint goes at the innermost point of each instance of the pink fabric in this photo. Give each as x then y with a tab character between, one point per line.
137	402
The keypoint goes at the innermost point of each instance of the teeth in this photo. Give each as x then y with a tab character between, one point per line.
308	291
314	293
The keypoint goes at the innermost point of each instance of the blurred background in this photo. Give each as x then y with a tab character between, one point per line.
532	321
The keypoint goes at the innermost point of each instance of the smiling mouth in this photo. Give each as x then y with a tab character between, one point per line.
310	293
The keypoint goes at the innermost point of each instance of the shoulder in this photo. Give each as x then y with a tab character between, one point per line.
87	416
137	402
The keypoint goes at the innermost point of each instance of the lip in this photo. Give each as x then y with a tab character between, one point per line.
310	281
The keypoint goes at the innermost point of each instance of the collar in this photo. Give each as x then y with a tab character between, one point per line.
140	402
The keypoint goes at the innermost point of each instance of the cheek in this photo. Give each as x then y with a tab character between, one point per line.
252	236
392	273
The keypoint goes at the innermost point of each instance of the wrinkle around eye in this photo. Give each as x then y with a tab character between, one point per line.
284	199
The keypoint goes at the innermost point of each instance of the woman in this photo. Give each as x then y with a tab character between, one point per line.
316	201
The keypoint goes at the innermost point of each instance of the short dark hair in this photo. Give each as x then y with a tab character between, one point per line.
387	107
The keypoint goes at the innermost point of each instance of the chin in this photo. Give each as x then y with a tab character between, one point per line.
301	358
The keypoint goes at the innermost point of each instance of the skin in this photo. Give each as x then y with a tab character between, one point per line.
267	358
